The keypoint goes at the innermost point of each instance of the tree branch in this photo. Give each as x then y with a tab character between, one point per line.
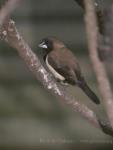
10	34
104	85
5	11
99	13
105	24
106	45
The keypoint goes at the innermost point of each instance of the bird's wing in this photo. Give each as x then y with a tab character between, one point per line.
62	67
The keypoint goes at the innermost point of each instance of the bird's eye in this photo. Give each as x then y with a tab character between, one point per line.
43	45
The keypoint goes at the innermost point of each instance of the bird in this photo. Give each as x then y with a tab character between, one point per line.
64	66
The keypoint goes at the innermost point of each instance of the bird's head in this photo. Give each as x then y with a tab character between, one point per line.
51	43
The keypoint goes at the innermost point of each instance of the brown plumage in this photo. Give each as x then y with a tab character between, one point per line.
64	65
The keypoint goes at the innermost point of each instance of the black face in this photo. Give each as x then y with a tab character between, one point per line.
46	44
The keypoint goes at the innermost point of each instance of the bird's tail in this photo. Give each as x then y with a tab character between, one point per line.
83	85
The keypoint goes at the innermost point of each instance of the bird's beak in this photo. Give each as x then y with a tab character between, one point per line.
42	45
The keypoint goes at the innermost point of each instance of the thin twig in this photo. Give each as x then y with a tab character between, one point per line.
11	35
104	85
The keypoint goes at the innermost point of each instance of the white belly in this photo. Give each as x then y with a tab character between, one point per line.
53	71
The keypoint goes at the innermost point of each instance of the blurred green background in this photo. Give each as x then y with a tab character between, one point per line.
30	117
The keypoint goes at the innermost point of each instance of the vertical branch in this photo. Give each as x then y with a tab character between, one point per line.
104	85
99	13
106	44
